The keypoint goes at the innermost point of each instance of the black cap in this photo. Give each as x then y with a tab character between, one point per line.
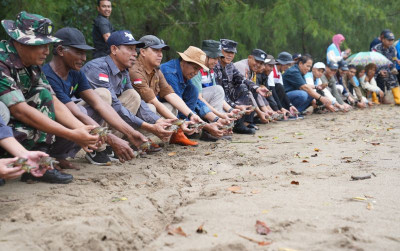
270	60
343	65
72	37
332	65
259	55
285	58
388	35
212	48
296	56
228	45
153	42
123	37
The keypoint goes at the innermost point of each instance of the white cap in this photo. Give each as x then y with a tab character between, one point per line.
319	65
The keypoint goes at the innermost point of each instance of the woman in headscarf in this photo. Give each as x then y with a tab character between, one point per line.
333	53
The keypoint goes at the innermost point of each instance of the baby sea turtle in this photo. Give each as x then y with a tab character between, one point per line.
101	131
47	161
175	125
197	125
21	162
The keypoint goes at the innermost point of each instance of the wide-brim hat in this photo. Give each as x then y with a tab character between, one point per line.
285	58
194	55
30	29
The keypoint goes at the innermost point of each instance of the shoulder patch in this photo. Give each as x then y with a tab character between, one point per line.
103	77
137	81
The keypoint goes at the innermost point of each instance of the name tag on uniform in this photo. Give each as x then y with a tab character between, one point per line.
103	77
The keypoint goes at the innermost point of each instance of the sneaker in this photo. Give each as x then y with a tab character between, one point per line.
98	158
242	129
50	176
111	154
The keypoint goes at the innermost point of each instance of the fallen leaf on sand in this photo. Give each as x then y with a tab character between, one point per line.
327	138
305	161
359	198
264	211
171	153
208	153
347	157
115	199
262	228
375	143
215	235
316	149
298	133
370	206
173	231
200	230
295	173
390	128
255	191
295	182
260	243
262	147
234	189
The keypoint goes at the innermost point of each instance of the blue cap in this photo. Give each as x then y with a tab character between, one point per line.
123	37
343	65
228	45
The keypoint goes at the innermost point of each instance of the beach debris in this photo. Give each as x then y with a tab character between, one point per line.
22	163
101	131
361	177
295	183
327	138
172	231
375	143
215	235
314	155
201	230
294	172
172	154
359	199
305	161
255	191
234	189
317	150
260	243
264	211
298	133
262	228
115	199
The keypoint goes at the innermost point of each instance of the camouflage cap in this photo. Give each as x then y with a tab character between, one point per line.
30	29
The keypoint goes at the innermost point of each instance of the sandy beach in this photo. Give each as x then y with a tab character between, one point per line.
227	187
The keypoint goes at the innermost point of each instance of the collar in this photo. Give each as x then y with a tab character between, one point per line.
112	65
12	58
140	63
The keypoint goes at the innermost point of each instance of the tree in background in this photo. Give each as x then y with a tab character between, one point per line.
290	25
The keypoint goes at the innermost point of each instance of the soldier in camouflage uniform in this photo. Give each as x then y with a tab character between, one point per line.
25	91
238	90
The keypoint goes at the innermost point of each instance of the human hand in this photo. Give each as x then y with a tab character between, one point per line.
187	130
293	110
196	119
82	137
121	147
33	160
159	129
136	138
9	173
262	90
214	130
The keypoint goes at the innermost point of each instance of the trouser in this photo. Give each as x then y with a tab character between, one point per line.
300	99
166	104
283	99
215	96
64	148
387	83
41	99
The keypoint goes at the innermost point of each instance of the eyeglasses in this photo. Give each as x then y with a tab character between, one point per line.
45	28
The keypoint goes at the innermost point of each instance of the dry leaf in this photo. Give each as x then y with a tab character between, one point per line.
359	198
234	189
255	191
295	173
316	149
262	228
208	153
347	157
264	211
262	147
370	206
327	138
375	143
390	128
305	161
295	183
171	153
215	235
200	230
173	231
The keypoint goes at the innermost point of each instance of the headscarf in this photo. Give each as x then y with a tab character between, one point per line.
336	41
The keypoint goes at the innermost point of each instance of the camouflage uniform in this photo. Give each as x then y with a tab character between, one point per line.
391	80
26	84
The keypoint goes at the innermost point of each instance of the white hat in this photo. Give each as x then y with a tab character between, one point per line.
319	65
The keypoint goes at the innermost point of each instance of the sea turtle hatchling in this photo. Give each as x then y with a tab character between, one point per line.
101	131
175	125
47	161
197	125
21	162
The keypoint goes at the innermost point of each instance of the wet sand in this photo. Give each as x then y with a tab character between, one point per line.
129	206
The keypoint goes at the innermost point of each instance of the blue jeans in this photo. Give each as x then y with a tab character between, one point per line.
300	99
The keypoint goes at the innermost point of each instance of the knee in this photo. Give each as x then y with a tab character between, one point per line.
104	94
133	95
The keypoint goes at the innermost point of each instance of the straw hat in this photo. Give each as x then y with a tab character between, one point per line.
194	55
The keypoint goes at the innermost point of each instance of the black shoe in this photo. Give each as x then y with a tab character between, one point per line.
111	154
50	176
253	126
98	158
243	130
194	136
206	136
2	182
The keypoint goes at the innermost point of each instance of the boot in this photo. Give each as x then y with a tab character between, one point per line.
375	98
180	138
396	95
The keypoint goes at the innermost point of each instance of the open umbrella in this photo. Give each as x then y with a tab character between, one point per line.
364	58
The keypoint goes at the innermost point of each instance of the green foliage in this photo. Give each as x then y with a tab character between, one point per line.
274	26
